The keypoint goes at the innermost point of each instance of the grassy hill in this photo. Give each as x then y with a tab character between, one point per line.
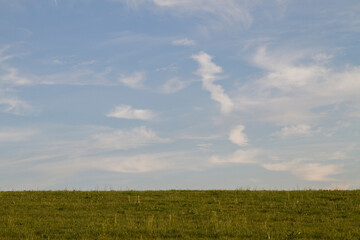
180	215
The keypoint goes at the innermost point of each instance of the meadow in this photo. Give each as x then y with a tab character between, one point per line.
239	214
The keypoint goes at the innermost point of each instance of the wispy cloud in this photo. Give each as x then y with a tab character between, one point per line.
209	14
183	42
128	112
293	86
139	39
136	80
139	163
16	135
229	11
171	68
80	73
77	76
248	156
12	77
14	106
307	171
122	139
296	130
4	57
199	137
205	147
174	85
208	72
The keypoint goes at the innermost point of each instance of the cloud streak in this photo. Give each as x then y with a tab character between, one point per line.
229	11
295	130
123	140
128	112
208	72
307	171
16	135
14	106
183	42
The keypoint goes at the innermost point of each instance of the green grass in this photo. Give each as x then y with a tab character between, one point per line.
180	215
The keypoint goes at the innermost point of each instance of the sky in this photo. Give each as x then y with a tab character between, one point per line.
179	94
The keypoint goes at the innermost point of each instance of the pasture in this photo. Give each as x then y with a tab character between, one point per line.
239	214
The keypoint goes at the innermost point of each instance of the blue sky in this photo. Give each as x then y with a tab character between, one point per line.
179	94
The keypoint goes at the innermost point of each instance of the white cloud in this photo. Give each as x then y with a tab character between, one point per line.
128	112
204	147
140	163
316	171
84	63
96	148
121	139
10	75
14	106
13	78
144	162
240	156
136	80
283	74
57	61
208	72
296	130
174	85
238	137
16	135
183	42
276	166
294	86
198	137
306	171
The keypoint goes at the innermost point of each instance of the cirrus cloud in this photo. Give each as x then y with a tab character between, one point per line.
16	135
295	130
183	42
307	171
128	112
127	139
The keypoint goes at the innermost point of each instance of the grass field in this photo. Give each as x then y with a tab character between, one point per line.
180	215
